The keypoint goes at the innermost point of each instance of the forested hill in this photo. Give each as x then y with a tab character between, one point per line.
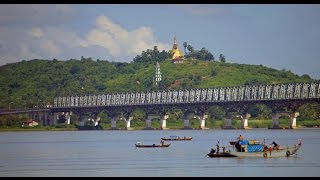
36	82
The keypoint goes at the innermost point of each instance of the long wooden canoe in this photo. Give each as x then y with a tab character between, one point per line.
151	145
177	138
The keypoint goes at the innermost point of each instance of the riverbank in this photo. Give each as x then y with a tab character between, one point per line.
133	129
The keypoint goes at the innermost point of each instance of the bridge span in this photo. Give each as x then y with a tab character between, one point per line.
283	99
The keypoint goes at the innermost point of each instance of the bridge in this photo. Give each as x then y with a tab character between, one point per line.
282	99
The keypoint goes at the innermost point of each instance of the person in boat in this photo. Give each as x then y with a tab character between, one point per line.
240	138
212	151
275	145
218	147
223	149
162	142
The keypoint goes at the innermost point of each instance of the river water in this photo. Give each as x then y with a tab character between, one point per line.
111	153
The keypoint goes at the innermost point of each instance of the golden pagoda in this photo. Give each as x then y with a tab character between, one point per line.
177	56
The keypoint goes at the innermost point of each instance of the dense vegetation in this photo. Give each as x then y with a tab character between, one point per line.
34	83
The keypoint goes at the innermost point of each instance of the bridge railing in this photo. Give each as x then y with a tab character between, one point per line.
219	94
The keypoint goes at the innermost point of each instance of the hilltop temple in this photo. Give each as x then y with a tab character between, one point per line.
177	56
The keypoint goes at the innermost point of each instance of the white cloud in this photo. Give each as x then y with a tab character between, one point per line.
119	41
51	48
36	32
32	31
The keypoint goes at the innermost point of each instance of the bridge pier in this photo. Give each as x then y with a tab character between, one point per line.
164	122
202	119
244	119
148	124
228	122
114	123
149	121
275	119
55	118
293	120
186	124
128	123
68	116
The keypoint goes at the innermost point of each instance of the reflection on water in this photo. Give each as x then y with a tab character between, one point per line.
112	153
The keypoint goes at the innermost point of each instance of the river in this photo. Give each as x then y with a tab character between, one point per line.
111	153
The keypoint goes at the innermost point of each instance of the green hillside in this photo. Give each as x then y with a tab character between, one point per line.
36	82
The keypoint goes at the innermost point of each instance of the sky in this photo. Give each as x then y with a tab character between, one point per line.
279	36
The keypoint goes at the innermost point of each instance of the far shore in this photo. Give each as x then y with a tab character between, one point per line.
139	129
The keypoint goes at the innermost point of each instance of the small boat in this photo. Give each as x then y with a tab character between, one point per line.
246	149
138	145
177	138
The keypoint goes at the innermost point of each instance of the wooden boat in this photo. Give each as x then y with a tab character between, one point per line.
138	145
222	154
243	149
177	138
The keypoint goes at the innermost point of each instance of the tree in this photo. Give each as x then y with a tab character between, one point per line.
185	45
222	58
190	48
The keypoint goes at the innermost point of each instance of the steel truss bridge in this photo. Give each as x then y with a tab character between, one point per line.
281	98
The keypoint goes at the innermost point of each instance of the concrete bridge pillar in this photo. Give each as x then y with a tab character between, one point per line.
50	119
275	120
98	119
164	122
228	122
68	117
244	119
202	120
113	122
149	122
293	120
44	122
186	124
128	122
55	117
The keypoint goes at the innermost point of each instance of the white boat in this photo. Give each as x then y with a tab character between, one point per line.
245	149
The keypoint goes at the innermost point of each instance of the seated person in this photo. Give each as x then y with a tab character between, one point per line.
212	151
275	145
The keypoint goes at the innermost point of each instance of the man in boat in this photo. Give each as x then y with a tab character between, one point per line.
240	138
162	142
218	148
212	151
275	145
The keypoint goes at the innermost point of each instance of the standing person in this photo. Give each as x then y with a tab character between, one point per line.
218	147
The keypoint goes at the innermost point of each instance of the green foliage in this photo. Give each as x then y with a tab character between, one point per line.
217	113
260	123
260	111
310	123
309	111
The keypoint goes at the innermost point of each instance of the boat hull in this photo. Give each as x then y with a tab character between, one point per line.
151	145
226	154
283	152
286	151
177	139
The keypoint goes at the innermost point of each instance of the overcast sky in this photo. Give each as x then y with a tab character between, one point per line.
280	36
